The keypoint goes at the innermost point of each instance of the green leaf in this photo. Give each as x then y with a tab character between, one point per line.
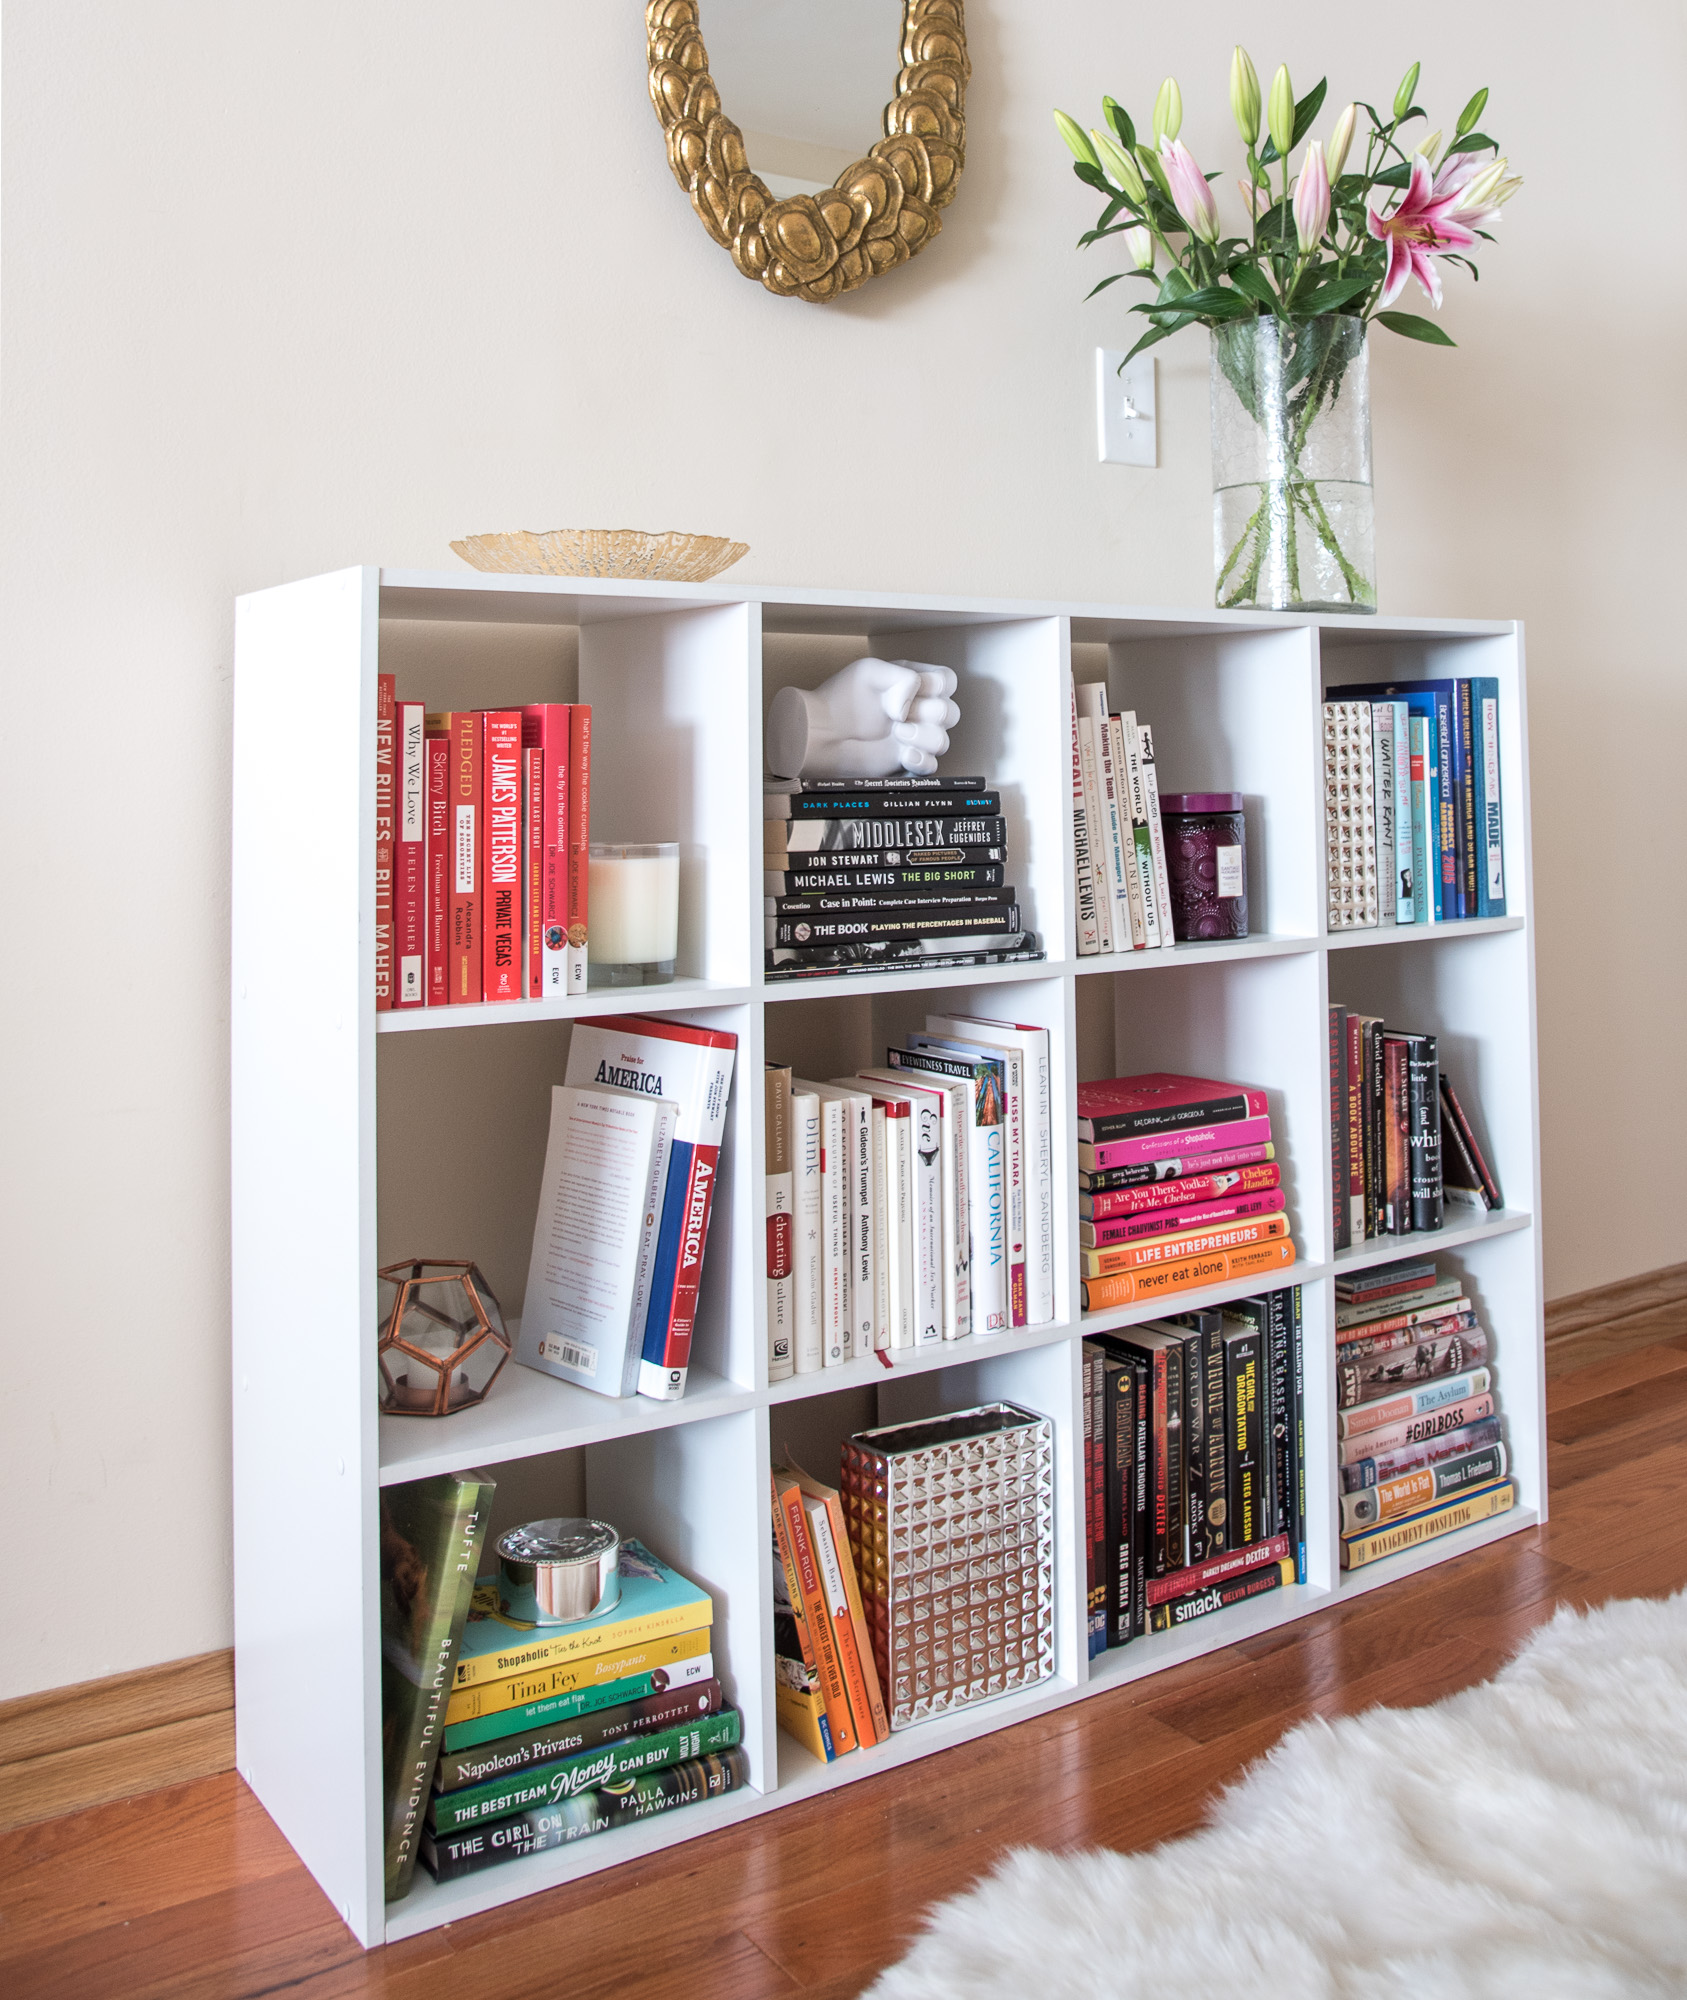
1333	296
1120	120
1148	340
1307	109
1394	177
1474	142
1117	275
1415	328
1091	176
1250	280
1178	284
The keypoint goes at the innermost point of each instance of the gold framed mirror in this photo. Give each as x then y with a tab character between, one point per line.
877	213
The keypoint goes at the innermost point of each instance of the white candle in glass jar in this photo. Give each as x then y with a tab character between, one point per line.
632	904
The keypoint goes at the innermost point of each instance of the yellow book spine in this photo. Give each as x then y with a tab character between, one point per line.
802	1716
525	1656
544	1683
1443	1520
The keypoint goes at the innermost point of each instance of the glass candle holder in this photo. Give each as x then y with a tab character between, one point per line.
1206	865
632	900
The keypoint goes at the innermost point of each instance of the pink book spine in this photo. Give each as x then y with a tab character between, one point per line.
1422	1401
1415	1430
532	870
1195	1143
410	856
1165	1221
439	868
1181	1192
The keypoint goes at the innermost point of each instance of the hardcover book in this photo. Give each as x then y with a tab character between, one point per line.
896	834
983	1097
500	899
867	802
1183	1145
1444	1518
808	1311
439	866
491	1709
1134	1107
384	705
545	729
781	1222
1210	1267
1178	1167
571	1736
410	857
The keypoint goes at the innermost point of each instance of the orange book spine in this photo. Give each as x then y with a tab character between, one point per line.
1213	1267
1155	1250
385	704
837	1609
819	1621
793	1583
858	1618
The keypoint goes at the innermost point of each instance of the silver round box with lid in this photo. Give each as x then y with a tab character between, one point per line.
559	1572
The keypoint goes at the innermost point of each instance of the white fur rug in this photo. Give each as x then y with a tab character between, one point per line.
1525	1838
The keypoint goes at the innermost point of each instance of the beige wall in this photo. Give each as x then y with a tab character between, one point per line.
293	287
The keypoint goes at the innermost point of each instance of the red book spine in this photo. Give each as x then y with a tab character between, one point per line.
1161	1589
579	839
500	896
410	858
546	724
467	833
1105	1206
533	869
384	704
439	867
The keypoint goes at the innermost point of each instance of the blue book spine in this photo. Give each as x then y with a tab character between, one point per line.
1418	768
674	1197
1490	857
1452	901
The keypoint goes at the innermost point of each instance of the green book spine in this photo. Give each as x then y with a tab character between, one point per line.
481	1763
568	1777
564	1707
433	1532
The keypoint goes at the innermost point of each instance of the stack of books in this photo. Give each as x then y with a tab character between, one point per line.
1179	1187
912	1203
1195	1465
1412	810
826	1683
1401	1144
1418	1423
1124	897
866	874
482	849
554	1735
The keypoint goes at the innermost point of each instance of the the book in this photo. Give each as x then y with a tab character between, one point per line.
491	1709
432	1534
500	890
1490	825
449	1857
1411	1401
1457	1120
829	1537
1386	1280
1195	1333
461	729
1107	1204
385	702
1382	767
1367	1378
532	870
545	729
1128	827
1150	1222
936	879
1211	1267
885	1213
1115	810
1275	1317
911	906
1341	1211
655	1056
981	1103
1245	1431
573	1736
1409	1492
1156	833
410	856
1413	1430
607	1161
893	926
916	785
1161	1354
811	1597
1358	1220
1123	1563
1370	1119
902	1222
1377	1471
898	833
1358	1315
808	1306
1405	879
1396	1140
859	1291
1423	1130
1177	1611
868	802
1141	835
780	1197
579	840
1099	831
1176	1167
956	1040
1088	925
438	968
1403	1330
1201	1576
836	1332
1422	818
656	1602
929	1266
1186	1145
953	1104
826	961
1464	1510
1187	1243
1209	1524
1135	1107
799	1698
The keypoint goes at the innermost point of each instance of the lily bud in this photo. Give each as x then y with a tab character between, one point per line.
1506	189
1280	111
1431	146
1168	112
1244	95
1140	243
1471	113
1076	138
1340	139
1250	197
1408	85
1118	166
1312	200
1480	192
1191	196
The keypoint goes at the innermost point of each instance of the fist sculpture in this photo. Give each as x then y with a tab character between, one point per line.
870	720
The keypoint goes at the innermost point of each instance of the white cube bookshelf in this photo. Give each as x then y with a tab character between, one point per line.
361	1138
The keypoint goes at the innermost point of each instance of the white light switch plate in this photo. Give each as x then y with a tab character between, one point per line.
1124	408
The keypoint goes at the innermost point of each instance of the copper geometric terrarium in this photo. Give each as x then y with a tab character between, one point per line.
442	1338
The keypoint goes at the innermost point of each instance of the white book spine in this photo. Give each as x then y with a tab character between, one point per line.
1093	701
781	1227
1100	870
1127	834
987	1197
884	1252
863	1283
1142	846
834	1232
1383	765
940	1273
1405	911
808	1316
1156	834
1365	879
957	1128
650	1230
1019	1290
1491	834
899	1151
1088	932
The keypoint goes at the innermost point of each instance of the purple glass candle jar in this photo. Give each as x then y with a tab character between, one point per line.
1206	865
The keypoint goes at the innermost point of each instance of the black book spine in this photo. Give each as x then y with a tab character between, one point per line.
1297	1429
1376	1176
903	781
1243	1427
1217	1597
1218	1493
894	926
881	900
861	804
898	835
1140	1499
1111	1125
1423	1101
1282	1477
1176	1554
1340	1207
1194	1450
1118	1461
942	879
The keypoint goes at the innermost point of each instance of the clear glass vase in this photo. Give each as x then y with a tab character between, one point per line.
1292	527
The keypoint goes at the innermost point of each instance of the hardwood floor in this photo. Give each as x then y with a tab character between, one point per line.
190	1893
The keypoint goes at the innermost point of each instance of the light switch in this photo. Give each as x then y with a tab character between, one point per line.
1124	408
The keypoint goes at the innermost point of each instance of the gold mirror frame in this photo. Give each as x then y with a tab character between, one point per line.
877	213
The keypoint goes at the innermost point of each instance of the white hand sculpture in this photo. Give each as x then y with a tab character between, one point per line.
870	720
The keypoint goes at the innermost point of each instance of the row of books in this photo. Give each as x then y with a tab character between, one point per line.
826	1685
1179	1186
498	1740
482	832
1412	806
1420	1439
872	873
628	1188
1195	1465
1402	1146
1124	895
912	1203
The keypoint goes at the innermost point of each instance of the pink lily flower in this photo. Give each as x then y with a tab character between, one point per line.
1426	225
1312	199
1191	196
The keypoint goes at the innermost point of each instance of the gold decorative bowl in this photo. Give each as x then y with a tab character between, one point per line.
632	552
